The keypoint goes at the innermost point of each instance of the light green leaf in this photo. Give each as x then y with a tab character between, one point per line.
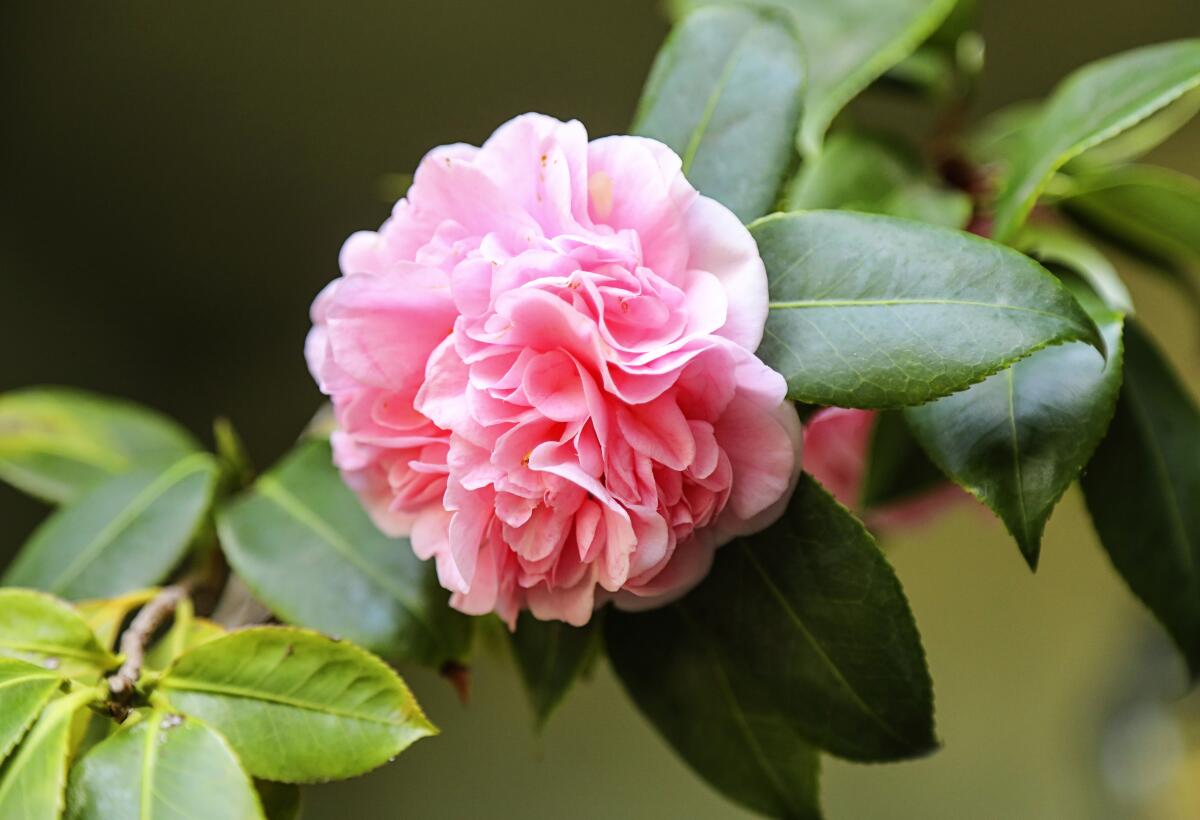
33	780
1142	488
551	655
124	533
164	766
1054	245
724	93
1091	106
847	45
186	633
106	615
809	615
1142	138
872	311
296	706
726	726
24	690
858	172
302	517
47	632
1017	440
995	140
55	442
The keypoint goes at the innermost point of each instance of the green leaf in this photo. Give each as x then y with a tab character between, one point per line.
185	634
302	517
1142	487
124	533
996	139
724	93
872	311
1054	245
1152	211
46	631
297	707
280	801
24	690
846	45
1143	137
550	656
164	766
897	467
1017	440
858	172
1091	106
32	781
55	442
106	615
719	719
810	611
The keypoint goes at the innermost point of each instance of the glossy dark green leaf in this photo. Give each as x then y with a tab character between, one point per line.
301	517
165	766
34	778
720	720
122	534
1142	488
45	631
871	311
858	172
846	46
1152	211
24	690
811	613
551	655
1017	440
55	441
296	706
897	468
724	93
1091	106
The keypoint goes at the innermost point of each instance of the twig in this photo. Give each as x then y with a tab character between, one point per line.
134	640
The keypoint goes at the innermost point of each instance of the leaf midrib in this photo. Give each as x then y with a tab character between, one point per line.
1163	473
244	693
735	708
179	472
149	762
714	98
56	650
835	303
274	491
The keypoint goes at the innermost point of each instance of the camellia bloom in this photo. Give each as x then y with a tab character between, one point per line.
542	371
837	444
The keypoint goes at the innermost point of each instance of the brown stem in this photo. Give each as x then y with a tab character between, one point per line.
135	639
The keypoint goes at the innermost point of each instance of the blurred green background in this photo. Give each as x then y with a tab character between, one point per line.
175	182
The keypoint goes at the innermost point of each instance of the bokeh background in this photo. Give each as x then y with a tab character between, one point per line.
175	182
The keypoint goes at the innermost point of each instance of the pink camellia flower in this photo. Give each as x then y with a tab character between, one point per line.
837	443
542	371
